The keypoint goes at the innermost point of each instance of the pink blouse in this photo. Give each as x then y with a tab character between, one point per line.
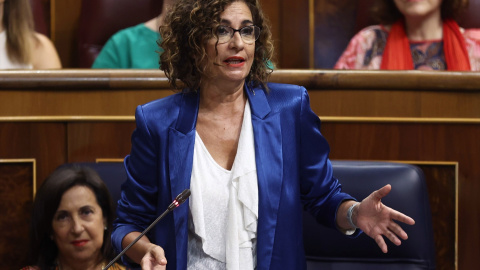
365	50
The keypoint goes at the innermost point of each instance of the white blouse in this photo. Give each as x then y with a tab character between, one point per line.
5	62
224	207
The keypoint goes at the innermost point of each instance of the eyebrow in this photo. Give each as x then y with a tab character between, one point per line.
87	206
229	22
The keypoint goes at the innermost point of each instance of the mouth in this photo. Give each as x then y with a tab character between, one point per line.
234	61
79	243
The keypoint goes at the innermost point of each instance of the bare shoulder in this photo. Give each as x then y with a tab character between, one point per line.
45	55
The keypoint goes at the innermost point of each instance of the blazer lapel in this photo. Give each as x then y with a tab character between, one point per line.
269	162
180	157
268	159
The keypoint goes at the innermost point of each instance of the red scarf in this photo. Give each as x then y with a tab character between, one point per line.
397	55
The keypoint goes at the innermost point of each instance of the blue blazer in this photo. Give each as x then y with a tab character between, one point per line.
293	169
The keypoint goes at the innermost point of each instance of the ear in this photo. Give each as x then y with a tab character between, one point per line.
105	224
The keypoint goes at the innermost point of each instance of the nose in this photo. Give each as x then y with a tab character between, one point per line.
237	41
77	226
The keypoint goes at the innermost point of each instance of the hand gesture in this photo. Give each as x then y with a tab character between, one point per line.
154	259
376	219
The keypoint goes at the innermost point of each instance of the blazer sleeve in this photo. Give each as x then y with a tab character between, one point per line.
137	207
321	193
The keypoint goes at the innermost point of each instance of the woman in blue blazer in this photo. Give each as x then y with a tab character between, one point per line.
251	152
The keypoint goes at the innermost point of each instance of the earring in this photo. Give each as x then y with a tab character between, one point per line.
105	228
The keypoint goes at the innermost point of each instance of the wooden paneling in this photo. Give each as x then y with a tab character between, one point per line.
272	11
79	92
293	45
16	198
442	188
88	141
362	93
64	25
45	142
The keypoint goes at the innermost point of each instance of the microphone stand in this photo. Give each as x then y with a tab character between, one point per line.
181	198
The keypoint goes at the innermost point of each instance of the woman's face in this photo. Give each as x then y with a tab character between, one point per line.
78	225
418	8
235	57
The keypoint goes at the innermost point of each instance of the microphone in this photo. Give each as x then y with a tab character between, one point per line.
181	198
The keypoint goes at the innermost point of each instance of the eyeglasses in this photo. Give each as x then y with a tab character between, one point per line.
249	33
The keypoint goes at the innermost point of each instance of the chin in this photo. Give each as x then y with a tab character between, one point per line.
237	76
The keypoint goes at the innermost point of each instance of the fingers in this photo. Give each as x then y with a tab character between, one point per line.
159	255
379	194
393	237
403	218
381	243
394	214
154	259
397	230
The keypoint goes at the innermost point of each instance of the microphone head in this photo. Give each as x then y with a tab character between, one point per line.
182	197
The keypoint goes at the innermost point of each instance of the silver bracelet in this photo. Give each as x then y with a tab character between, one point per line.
349	215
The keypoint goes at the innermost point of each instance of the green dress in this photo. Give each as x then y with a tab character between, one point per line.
133	47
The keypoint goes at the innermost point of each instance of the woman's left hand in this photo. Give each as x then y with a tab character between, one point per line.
376	219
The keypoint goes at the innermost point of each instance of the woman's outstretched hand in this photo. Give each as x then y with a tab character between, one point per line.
377	220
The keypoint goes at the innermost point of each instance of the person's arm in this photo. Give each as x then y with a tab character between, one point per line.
374	218
137	208
45	55
342	220
145	253
321	193
323	197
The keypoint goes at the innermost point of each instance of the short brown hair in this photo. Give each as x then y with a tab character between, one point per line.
386	12
188	26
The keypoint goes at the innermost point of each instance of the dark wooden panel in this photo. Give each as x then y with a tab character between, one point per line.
441	183
294	34
65	17
72	103
332	93
272	11
422	142
16	198
88	141
45	142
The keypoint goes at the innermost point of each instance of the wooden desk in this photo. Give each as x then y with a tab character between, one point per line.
426	118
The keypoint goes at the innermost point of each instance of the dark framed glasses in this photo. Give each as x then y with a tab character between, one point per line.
249	33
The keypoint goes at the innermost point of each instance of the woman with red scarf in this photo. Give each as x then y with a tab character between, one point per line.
414	34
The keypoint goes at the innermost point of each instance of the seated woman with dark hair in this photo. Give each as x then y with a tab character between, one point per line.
419	35
71	222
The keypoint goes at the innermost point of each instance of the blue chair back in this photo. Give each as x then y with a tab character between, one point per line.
327	249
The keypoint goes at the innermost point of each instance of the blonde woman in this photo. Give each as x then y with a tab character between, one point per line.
20	46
